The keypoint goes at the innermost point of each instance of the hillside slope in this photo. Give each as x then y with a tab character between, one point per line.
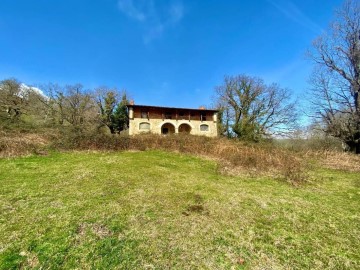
158	210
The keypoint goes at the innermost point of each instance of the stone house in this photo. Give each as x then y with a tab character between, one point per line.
168	120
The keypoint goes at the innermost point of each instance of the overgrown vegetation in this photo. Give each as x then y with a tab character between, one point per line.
233	157
160	210
286	161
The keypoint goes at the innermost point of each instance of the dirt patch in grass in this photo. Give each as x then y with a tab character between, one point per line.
198	207
31	261
99	230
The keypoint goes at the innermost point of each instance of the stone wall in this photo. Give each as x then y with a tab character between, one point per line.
157	124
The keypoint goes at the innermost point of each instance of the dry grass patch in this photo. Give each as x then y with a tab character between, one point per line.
343	161
99	230
337	160
21	144
232	156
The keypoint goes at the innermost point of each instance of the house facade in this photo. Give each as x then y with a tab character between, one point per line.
167	120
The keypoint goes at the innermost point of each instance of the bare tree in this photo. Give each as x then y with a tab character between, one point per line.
17	99
13	103
71	105
79	107
253	109
336	78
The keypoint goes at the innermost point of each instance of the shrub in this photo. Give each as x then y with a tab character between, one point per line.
20	144
233	157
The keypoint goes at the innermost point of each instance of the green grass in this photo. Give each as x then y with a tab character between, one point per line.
158	210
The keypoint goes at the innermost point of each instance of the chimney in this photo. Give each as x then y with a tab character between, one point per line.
131	102
202	108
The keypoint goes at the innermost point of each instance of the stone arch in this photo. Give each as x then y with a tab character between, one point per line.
167	128
185	128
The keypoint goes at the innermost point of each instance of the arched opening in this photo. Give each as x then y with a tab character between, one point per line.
167	128
185	128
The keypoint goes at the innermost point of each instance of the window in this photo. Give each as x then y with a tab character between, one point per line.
181	115
144	114
168	115
203	116
144	126
204	128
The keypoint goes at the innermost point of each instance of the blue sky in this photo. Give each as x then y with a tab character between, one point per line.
170	52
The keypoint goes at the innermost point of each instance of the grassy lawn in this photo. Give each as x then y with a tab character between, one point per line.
158	210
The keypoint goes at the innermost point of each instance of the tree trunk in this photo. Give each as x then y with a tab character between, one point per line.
112	129
354	147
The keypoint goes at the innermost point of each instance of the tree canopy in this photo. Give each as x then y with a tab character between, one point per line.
69	106
251	109
112	109
17	100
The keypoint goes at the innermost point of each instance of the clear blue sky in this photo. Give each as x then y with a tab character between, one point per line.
163	52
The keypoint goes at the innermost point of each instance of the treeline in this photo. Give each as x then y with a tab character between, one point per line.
71	107
249	109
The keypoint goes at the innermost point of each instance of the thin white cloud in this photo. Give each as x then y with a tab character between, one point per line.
285	72
164	84
176	12
128	7
155	18
153	33
292	12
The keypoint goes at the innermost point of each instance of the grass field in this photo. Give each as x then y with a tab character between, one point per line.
159	210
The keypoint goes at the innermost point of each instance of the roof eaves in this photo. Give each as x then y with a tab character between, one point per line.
172	108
